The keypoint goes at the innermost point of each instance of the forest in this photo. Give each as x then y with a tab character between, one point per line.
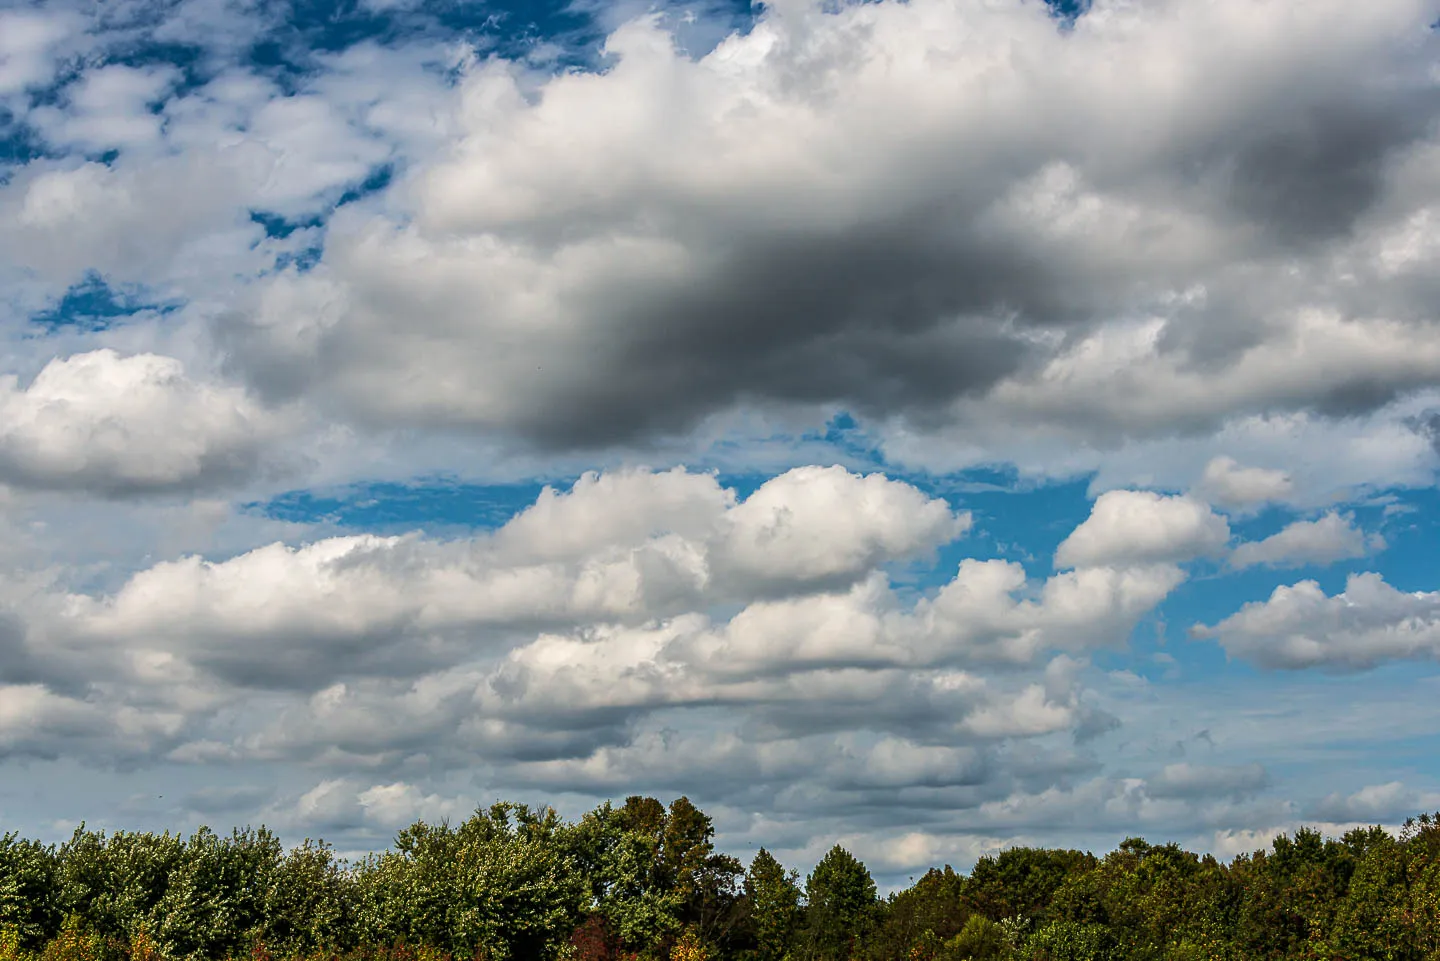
644	882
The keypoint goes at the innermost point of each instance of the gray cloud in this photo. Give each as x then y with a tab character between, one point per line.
1199	781
943	272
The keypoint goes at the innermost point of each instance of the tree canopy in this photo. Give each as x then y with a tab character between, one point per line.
644	882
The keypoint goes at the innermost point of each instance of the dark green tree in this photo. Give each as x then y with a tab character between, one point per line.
772	906
935	905
840	905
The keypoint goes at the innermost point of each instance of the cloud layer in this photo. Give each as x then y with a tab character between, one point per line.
869	208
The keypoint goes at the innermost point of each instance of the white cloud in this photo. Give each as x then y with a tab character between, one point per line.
109	108
815	524
1142	527
1387	803
27	47
709	231
627	596
1300	626
1228	484
116	425
341	803
1330	538
614	550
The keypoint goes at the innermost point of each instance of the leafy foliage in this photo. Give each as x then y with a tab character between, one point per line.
643	882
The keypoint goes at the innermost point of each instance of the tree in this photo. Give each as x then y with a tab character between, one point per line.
502	884
772	903
703	880
1073	941
932	910
840	904
1022	881
308	904
28	890
980	940
615	852
214	895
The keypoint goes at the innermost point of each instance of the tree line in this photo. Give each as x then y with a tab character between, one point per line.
643	882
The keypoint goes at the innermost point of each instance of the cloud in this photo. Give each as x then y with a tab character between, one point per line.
1330	538
739	232
620	549
1185	780
824	523
1142	527
1230	485
341	803
28	41
109	108
1369	623
120	426
1387	803
592	614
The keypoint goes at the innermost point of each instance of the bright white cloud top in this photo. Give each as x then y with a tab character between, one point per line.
906	377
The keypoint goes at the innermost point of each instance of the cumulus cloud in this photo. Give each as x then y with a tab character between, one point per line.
1228	484
1330	538
116	425
737	231
341	803
1127	528
1387	803
186	166
593	611
1368	623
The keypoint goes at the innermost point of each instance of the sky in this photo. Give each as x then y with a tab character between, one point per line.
928	426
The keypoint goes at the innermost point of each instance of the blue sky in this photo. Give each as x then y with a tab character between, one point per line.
930	426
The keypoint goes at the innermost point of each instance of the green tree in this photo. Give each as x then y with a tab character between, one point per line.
117	883
309	904
921	918
772	903
979	940
1022	881
502	884
29	892
615	851
214	901
1063	940
704	881
840	905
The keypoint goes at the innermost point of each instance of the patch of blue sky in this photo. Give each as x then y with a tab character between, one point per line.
301	260
375	182
94	305
304	30
195	68
1068	10
434	505
19	145
280	228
